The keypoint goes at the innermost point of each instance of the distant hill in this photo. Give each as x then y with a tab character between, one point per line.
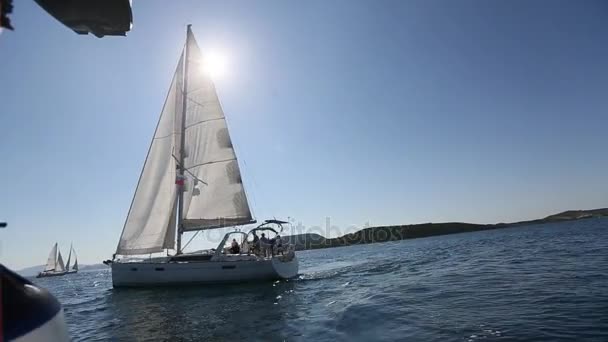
34	270
305	241
391	233
577	214
412	231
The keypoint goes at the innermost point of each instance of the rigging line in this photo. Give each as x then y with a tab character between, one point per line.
190	173
192	238
192	100
196	102
165	136
211	162
203	121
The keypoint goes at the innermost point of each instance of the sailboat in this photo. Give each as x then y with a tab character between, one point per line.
191	182
75	266
54	264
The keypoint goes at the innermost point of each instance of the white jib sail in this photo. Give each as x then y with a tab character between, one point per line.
67	265
60	266
209	156
52	259
150	224
75	267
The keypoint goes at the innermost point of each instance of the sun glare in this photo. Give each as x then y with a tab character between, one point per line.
213	64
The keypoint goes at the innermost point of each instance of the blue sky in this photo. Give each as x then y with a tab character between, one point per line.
383	111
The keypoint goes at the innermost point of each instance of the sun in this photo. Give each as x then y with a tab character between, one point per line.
213	64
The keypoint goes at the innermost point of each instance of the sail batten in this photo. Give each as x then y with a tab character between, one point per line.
75	267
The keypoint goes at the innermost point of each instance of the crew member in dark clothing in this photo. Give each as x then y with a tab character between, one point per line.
256	244
234	248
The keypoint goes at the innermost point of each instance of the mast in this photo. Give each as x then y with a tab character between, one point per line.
180	191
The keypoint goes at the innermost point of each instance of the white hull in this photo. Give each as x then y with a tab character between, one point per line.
54	274
159	273
50	274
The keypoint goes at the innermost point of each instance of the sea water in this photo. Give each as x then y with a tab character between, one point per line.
533	283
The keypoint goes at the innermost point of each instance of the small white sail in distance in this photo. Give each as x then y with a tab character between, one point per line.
60	266
75	267
51	262
67	265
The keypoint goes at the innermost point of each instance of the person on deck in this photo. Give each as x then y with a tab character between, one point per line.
264	244
279	244
256	243
234	248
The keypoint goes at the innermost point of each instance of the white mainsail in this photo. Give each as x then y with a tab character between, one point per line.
209	156
150	224
52	259
60	266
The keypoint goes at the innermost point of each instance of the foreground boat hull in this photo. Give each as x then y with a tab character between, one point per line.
143	274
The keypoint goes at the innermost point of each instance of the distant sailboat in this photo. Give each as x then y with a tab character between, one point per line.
75	267
190	182
55	266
